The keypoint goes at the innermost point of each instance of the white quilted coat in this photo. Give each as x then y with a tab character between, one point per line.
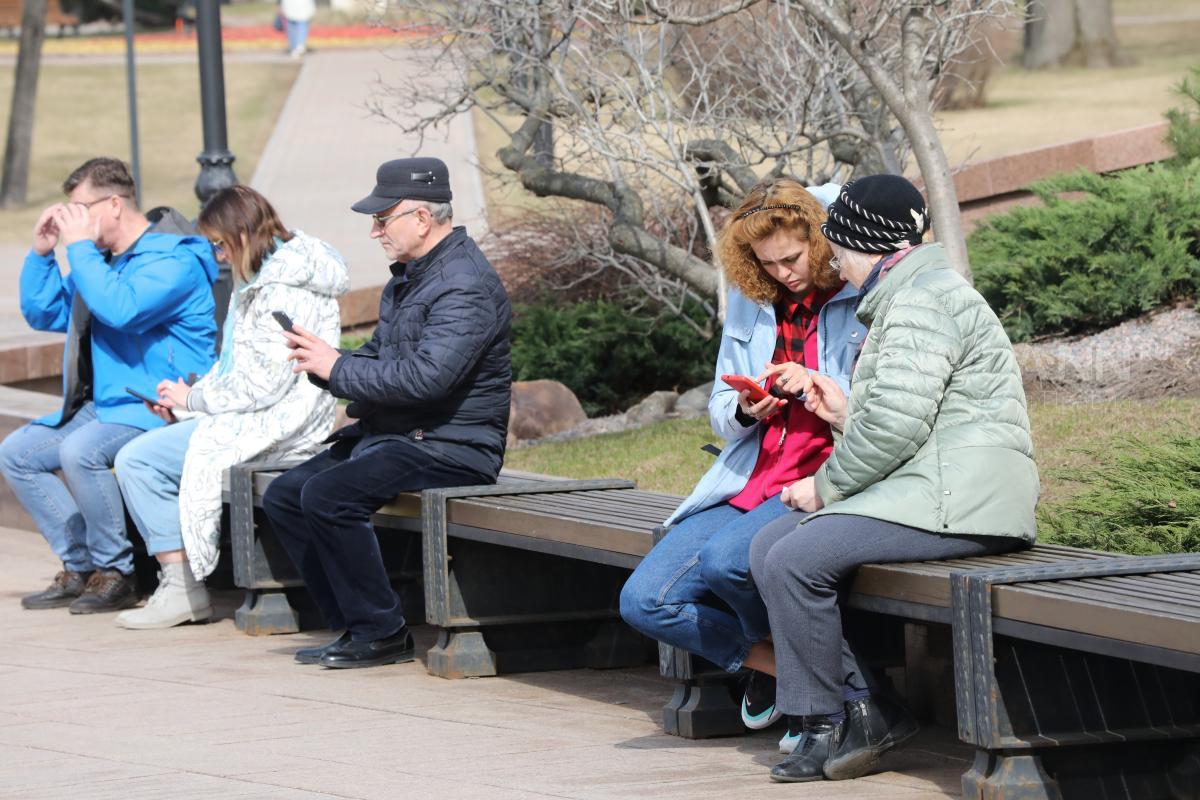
260	409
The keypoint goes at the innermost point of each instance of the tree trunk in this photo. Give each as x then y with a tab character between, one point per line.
910	103
1061	32
19	145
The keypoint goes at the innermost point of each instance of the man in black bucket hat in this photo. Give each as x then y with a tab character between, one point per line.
430	398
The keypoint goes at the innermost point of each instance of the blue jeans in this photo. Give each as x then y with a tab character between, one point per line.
149	469
83	519
297	33
685	589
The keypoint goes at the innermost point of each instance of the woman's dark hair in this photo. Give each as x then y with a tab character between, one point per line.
246	224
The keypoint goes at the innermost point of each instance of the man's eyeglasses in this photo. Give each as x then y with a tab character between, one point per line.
380	222
835	264
101	200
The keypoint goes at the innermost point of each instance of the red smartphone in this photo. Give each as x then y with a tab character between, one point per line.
744	384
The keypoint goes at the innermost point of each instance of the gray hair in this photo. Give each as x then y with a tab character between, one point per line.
441	212
853	258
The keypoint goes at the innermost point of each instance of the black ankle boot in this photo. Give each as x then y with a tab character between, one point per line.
807	761
873	726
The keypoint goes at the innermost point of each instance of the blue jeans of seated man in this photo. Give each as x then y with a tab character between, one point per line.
82	519
673	594
149	469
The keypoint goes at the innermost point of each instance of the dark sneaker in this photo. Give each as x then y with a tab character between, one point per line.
312	655
62	591
807	761
107	590
873	726
395	649
758	704
790	739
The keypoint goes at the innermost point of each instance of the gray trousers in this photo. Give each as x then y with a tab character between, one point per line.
799	570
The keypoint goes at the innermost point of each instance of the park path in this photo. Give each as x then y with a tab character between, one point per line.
327	144
91	710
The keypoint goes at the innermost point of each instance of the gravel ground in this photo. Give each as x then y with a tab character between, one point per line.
1156	355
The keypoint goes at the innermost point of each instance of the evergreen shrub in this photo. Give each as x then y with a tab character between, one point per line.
609	354
1142	497
1117	247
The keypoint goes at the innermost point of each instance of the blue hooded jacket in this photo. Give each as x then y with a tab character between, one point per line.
152	317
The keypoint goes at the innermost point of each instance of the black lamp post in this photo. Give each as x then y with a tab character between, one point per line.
216	162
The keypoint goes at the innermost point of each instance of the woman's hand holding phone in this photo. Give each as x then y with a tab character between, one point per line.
766	408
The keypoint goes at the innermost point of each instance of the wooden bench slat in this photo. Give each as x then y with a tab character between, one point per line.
1024	603
602	536
1109	597
1151	587
583	509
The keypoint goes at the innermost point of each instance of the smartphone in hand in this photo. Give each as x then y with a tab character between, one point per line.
151	400
283	319
744	384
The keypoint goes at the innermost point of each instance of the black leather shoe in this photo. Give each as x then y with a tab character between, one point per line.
873	726
807	761
395	649
61	592
312	655
107	590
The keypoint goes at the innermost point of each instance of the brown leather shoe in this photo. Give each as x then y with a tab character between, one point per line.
62	591
107	590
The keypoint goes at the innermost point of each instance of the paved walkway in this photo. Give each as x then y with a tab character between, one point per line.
327	144
91	710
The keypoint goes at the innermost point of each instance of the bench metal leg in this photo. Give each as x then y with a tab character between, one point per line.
702	709
461	653
1015	776
263	613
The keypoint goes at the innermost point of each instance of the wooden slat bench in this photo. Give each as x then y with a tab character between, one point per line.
1074	670
11	10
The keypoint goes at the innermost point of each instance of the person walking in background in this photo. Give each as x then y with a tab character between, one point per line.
136	306
296	15
935	461
250	405
786	307
430	392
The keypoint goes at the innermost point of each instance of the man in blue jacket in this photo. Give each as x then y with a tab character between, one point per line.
430	392
137	307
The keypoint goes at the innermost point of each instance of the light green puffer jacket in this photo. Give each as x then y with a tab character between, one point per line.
937	431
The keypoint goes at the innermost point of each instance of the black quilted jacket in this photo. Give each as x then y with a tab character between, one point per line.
437	370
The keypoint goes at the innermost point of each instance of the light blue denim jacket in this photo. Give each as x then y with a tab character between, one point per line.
747	344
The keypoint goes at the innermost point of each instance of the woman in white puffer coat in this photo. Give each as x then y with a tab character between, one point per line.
250	405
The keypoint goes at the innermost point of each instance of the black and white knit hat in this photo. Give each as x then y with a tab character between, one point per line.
877	214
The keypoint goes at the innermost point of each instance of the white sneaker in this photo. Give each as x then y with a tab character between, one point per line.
179	598
298	51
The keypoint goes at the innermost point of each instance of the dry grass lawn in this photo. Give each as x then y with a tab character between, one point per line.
667	458
81	112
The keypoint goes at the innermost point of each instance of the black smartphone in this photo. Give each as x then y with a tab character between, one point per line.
283	319
151	400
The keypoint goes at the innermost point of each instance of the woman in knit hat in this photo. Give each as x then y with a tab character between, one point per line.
935	461
788	307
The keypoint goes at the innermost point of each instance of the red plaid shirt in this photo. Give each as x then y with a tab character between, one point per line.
795	441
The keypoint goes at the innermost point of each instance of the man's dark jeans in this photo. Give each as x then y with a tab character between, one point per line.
321	511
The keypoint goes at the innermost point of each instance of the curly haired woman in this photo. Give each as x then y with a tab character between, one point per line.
787	309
